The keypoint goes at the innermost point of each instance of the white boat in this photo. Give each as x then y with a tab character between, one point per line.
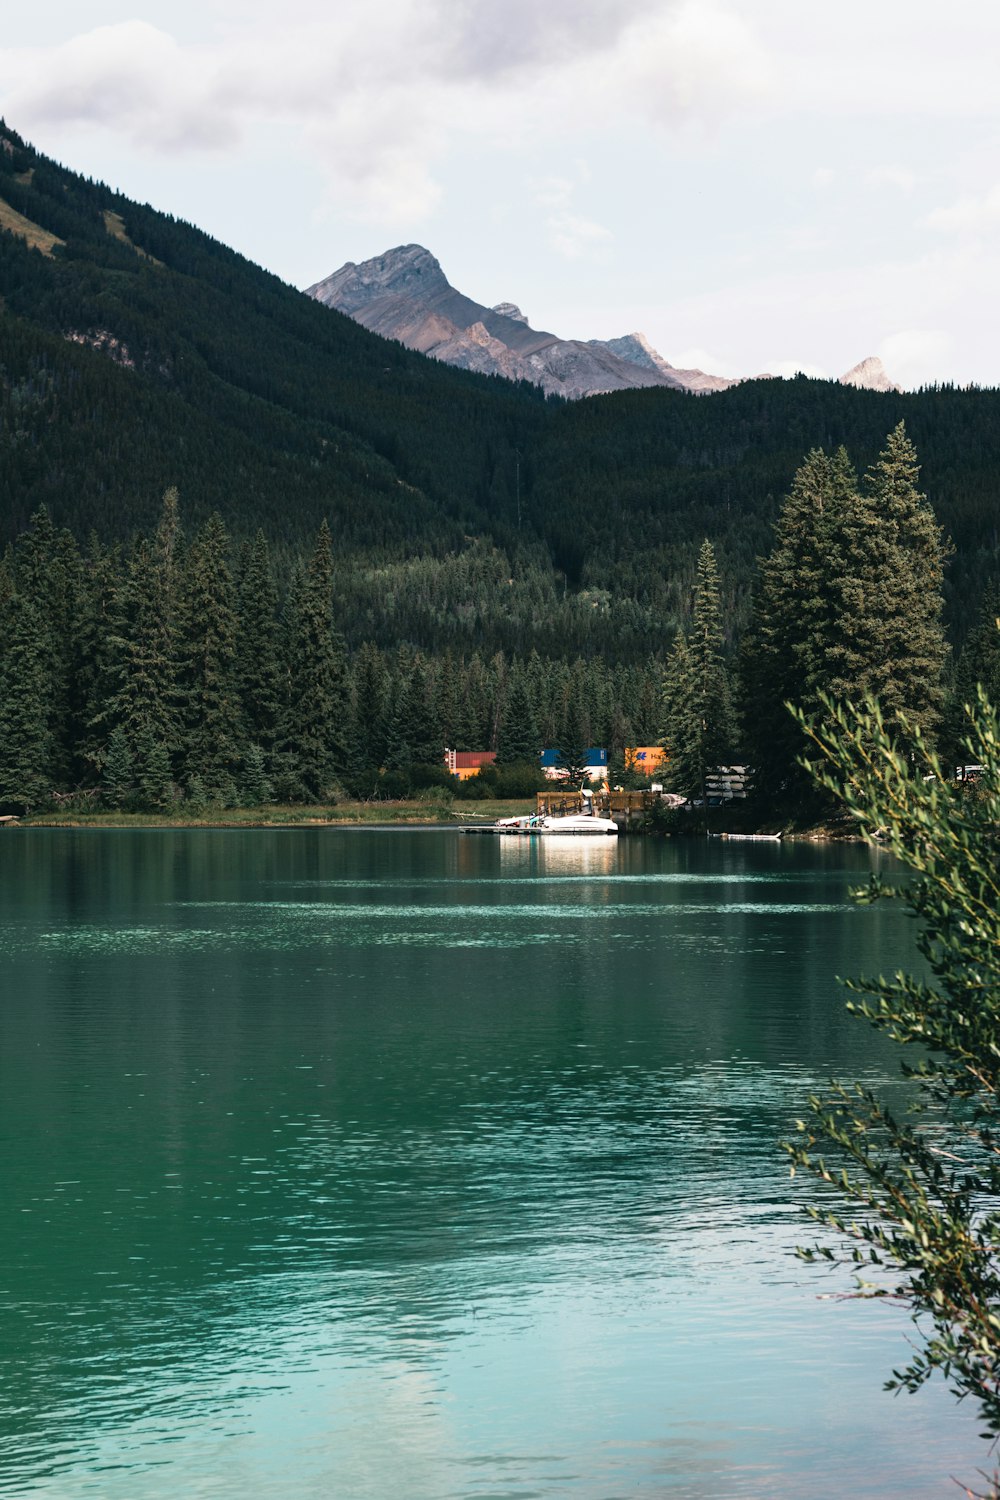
584	824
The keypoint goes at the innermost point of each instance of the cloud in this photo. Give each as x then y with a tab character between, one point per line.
902	179
916	356
574	237
131	78
378	102
568	232
969	215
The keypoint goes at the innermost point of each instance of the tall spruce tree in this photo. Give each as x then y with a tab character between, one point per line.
518	741
700	729
712	687
143	694
795	616
258	669
27	693
681	740
213	732
49	575
315	726
415	733
849	603
888	640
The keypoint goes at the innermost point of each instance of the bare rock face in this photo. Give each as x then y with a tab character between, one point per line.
869	375
405	295
637	349
511	310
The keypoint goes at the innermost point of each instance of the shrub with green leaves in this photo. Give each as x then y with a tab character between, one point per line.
914	1196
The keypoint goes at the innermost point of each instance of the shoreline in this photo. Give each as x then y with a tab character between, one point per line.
409	814
412	815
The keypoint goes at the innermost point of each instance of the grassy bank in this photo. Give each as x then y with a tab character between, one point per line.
274	815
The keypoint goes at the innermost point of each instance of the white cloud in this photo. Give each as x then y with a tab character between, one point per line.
569	233
574	237
901	179
131	78
378	101
969	215
916	356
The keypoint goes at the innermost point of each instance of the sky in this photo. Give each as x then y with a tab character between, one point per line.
755	185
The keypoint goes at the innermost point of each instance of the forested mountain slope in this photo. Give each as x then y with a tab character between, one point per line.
138	353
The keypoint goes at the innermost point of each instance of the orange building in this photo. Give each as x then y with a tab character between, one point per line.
645	760
466	763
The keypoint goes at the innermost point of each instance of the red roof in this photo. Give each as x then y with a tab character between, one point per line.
466	758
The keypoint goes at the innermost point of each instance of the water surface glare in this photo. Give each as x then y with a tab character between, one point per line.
399	1164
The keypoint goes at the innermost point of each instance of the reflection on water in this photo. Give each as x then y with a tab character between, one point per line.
370	1163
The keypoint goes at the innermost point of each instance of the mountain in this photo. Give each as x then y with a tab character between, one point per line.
869	375
405	295
136	352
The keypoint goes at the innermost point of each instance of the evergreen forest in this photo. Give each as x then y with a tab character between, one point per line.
254	549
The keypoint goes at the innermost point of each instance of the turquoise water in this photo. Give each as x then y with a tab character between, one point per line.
400	1164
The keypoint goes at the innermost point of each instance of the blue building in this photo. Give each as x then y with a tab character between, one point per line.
596	761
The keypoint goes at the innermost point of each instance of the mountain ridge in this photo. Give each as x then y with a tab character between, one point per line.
403	294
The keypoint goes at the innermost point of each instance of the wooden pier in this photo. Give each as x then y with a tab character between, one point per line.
627	808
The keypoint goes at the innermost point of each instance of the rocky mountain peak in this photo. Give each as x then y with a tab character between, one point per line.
510	310
869	375
408	270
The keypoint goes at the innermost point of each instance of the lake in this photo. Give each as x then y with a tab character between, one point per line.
399	1165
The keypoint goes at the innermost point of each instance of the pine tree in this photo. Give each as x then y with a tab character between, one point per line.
786	648
116	773
682	737
712	688
26	699
700	731
212	732
315	725
849	604
889	639
96	626
416	738
518	741
255	785
368	710
49	574
154	786
257	665
145	690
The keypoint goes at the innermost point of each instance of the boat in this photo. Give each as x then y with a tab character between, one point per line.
586	823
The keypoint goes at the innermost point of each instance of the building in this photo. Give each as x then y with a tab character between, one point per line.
466	763
645	760
596	761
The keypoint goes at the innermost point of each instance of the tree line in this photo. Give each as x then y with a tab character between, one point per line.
189	670
849	605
